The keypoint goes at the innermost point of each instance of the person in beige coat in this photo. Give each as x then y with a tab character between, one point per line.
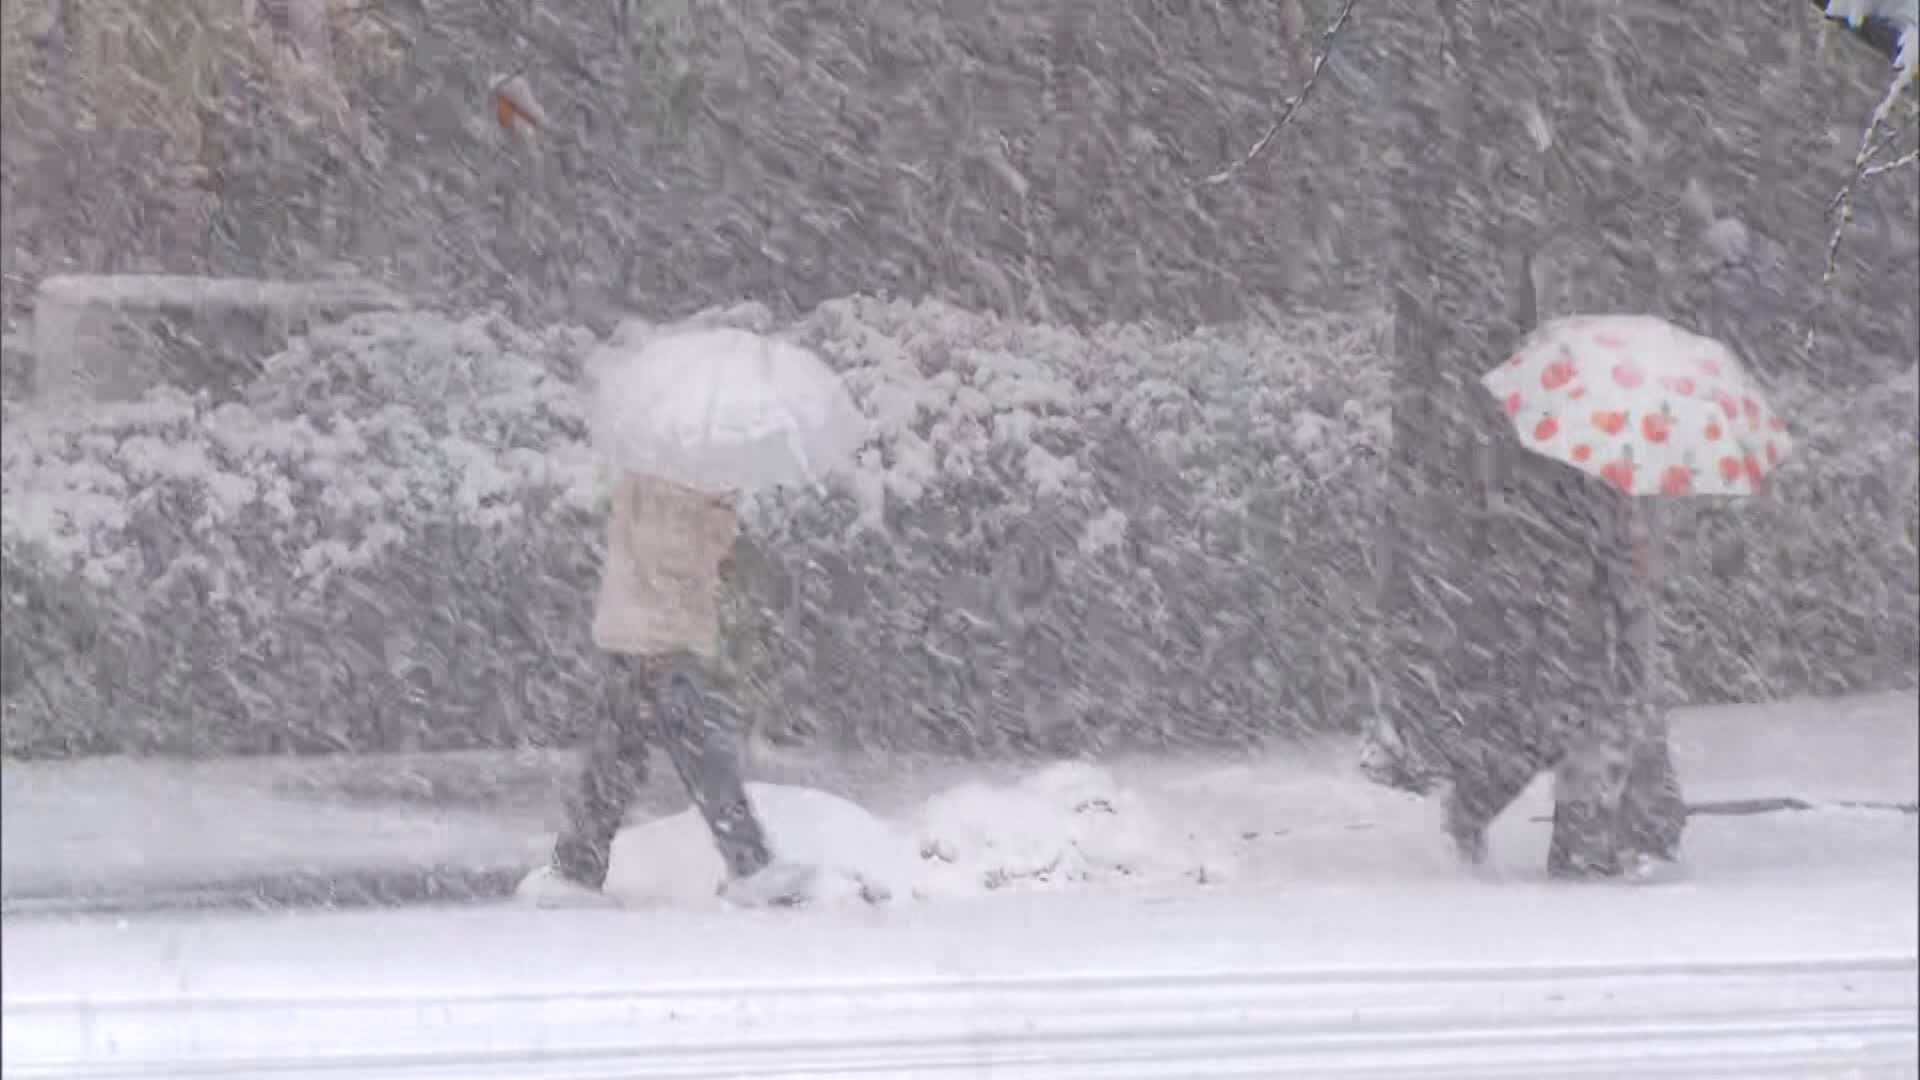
668	548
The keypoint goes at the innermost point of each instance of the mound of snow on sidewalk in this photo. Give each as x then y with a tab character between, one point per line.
1069	824
672	859
1072	823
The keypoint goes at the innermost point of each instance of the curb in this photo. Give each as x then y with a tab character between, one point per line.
449	884
397	887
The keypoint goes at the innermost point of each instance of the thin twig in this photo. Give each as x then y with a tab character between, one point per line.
1909	158
1843	201
1292	105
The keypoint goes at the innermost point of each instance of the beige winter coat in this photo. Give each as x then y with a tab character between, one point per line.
660	591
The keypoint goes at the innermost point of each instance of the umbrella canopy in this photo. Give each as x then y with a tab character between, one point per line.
723	410
1647	406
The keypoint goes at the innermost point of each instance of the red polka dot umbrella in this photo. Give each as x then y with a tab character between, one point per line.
1651	408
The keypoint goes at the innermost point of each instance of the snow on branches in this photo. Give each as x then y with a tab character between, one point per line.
1893	26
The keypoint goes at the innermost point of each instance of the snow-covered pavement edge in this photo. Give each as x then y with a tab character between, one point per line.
106	834
1815	1017
1798	975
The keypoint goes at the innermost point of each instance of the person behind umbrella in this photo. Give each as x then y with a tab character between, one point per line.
687	421
1601	732
1550	678
1537	652
668	549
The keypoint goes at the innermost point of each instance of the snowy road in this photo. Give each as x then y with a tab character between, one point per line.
1340	938
1050	986
1747	1020
1742	971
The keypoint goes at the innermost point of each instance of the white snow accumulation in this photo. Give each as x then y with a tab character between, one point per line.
1067	824
1155	823
1348	942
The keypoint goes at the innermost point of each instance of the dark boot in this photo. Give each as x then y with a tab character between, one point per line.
707	767
1477	797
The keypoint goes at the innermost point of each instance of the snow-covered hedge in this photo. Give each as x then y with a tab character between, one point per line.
1055	541
360	553
1814	589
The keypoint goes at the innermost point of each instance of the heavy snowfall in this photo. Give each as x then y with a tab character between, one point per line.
1333	538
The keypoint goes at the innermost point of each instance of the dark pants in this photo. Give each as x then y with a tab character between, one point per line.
661	693
1614	801
1615	796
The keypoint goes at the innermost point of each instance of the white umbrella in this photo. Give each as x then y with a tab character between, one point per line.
723	410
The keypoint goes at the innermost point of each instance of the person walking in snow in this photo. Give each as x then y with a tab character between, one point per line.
668	550
1529	642
1554	676
1602	732
687	421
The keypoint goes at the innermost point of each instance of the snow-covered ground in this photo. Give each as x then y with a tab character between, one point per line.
1791	976
123	833
1274	917
1790	951
1279	819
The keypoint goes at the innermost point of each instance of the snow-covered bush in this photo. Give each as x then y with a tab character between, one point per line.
1814	588
1063	540
384	533
1054	541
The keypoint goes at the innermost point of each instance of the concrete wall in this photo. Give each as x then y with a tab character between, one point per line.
112	337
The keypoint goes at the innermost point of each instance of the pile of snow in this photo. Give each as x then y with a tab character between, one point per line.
1170	824
1067	825
1072	823
672	859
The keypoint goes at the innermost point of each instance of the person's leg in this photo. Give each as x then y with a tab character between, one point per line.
688	719
1478	796
1653	812
615	768
1588	786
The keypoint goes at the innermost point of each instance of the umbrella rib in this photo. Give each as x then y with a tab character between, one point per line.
799	452
713	409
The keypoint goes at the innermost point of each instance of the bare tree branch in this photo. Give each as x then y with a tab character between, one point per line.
1911	157
1871	143
1292	105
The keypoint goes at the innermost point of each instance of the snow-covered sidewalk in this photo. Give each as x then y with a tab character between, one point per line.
120	833
1274	917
